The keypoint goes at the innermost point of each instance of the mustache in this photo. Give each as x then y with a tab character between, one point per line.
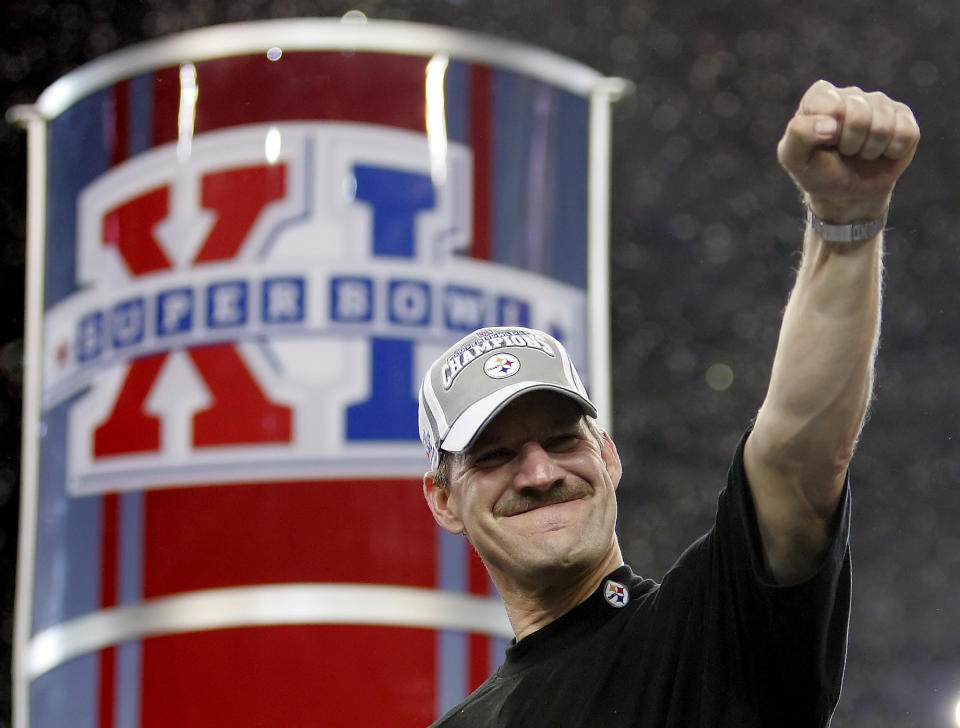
528	500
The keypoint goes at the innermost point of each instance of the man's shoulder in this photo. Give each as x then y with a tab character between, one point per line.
470	711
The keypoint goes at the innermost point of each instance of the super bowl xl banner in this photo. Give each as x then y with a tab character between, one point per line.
245	244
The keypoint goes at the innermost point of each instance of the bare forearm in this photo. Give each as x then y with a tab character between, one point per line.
822	375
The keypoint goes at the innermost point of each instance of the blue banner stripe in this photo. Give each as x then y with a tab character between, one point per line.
140	135
68	565
66	696
456	102
451	681
76	155
540	178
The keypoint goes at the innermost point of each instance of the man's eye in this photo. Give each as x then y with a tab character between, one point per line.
561	443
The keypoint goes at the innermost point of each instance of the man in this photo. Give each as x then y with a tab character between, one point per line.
749	627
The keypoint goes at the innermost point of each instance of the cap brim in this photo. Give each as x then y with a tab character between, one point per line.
471	422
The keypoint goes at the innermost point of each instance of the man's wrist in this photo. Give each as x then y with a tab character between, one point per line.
856	231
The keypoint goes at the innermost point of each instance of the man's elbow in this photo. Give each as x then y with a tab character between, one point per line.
814	461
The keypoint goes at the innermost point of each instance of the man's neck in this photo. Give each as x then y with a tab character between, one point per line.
530	607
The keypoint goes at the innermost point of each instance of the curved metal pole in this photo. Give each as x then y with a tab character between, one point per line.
603	95
36	126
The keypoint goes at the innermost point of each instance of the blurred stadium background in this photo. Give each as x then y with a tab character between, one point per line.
705	238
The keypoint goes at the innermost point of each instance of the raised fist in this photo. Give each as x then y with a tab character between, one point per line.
846	148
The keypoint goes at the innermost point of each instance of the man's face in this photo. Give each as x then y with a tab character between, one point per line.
535	494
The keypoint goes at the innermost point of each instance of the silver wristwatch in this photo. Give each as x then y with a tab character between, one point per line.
854	232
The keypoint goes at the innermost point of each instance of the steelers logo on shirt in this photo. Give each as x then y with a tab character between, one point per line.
616	594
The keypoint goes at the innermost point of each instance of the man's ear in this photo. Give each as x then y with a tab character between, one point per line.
439	500
611	458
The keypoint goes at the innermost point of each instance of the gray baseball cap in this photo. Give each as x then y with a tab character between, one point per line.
481	374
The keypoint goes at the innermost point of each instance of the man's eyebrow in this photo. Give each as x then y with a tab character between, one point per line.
480	448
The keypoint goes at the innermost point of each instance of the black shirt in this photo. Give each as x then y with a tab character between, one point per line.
715	645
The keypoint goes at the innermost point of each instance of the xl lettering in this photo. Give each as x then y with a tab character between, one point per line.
396	198
390	412
239	412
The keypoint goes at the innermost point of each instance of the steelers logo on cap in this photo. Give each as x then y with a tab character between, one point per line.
501	366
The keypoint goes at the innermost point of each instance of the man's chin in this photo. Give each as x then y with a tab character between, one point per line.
559	561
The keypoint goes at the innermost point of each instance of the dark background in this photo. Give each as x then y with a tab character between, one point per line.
705	238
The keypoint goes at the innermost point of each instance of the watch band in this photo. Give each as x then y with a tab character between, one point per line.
854	232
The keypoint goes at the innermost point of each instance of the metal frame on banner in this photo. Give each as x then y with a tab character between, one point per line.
298	603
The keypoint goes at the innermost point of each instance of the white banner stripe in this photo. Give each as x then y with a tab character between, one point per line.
275	604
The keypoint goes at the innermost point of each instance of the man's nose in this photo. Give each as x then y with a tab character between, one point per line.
535	468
